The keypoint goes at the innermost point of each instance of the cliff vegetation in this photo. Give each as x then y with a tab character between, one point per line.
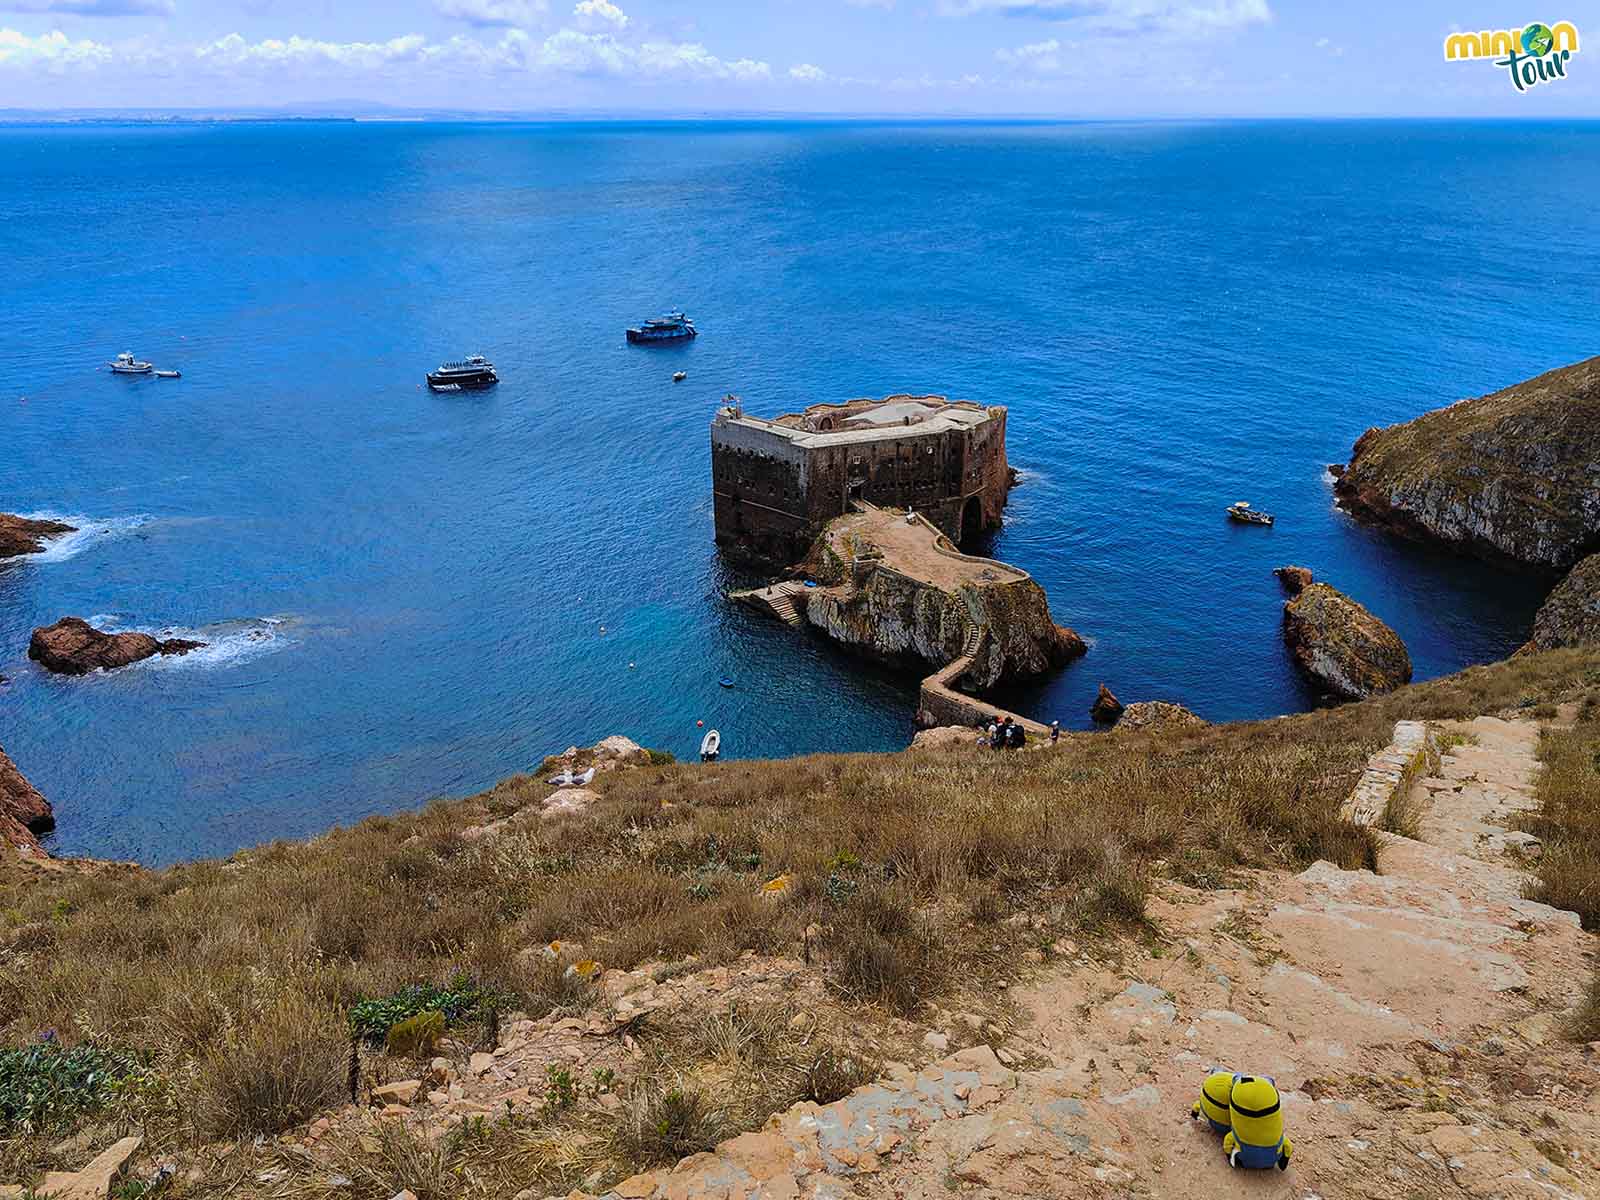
869	892
1512	477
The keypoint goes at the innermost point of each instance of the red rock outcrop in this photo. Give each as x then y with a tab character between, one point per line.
24	813
1295	579
1106	707
74	647
1343	648
20	535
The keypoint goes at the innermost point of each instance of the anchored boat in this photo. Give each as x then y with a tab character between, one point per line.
674	327
1241	511
126	364
469	374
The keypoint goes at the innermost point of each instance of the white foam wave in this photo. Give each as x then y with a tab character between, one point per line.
86	532
227	643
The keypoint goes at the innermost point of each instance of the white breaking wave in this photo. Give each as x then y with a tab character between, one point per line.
227	643
86	532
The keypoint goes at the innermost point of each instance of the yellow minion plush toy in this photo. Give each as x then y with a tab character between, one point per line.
1212	1106
1257	1139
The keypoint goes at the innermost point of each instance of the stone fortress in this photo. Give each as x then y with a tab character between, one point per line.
777	483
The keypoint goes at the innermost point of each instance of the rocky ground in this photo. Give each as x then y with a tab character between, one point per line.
1409	1016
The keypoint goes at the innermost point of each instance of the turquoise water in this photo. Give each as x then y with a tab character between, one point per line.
406	592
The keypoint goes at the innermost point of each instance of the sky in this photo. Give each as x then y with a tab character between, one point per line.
1068	58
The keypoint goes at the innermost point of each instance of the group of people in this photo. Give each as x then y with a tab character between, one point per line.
1003	733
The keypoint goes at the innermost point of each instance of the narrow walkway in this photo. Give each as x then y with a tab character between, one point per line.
1409	1017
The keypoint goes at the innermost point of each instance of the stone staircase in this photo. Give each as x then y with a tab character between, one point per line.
784	600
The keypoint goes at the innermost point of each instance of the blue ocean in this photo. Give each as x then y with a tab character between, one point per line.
409	595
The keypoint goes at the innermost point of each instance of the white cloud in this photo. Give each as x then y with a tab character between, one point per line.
53	51
599	13
92	8
807	73
1036	56
1128	16
565	52
492	12
234	51
694	61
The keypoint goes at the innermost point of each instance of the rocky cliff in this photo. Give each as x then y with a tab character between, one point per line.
1513	476
1570	615
20	535
24	813
1342	646
890	616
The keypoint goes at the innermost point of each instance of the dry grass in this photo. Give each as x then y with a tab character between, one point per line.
1568	823
235	976
1568	820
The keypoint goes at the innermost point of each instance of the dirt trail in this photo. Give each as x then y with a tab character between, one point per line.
1408	1016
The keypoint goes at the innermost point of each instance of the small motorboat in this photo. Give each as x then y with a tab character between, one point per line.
726	681
710	746
679	376
570	778
167	374
1241	511
126	364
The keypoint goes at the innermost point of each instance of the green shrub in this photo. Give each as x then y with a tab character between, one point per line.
458	1000
46	1084
415	1037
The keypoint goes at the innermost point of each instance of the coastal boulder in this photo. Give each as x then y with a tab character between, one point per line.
21	535
1508	477
24	813
74	647
1571	614
1295	579
1106	707
1343	647
1157	714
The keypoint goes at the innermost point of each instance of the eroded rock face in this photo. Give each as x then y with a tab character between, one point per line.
1571	614
1158	714
1342	646
1106	707
892	617
19	535
24	813
1510	476
74	647
1295	579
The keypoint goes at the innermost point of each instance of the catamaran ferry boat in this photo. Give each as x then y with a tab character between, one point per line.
466	375
674	327
127	364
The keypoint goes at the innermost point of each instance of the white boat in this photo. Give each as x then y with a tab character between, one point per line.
167	374
126	364
710	746
1241	511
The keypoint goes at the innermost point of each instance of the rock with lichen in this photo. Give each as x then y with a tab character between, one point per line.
1511	477
1158	714
1341	646
1570	616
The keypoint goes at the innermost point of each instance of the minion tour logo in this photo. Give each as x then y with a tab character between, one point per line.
1535	54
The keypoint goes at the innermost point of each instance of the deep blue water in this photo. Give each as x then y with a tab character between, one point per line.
1178	315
